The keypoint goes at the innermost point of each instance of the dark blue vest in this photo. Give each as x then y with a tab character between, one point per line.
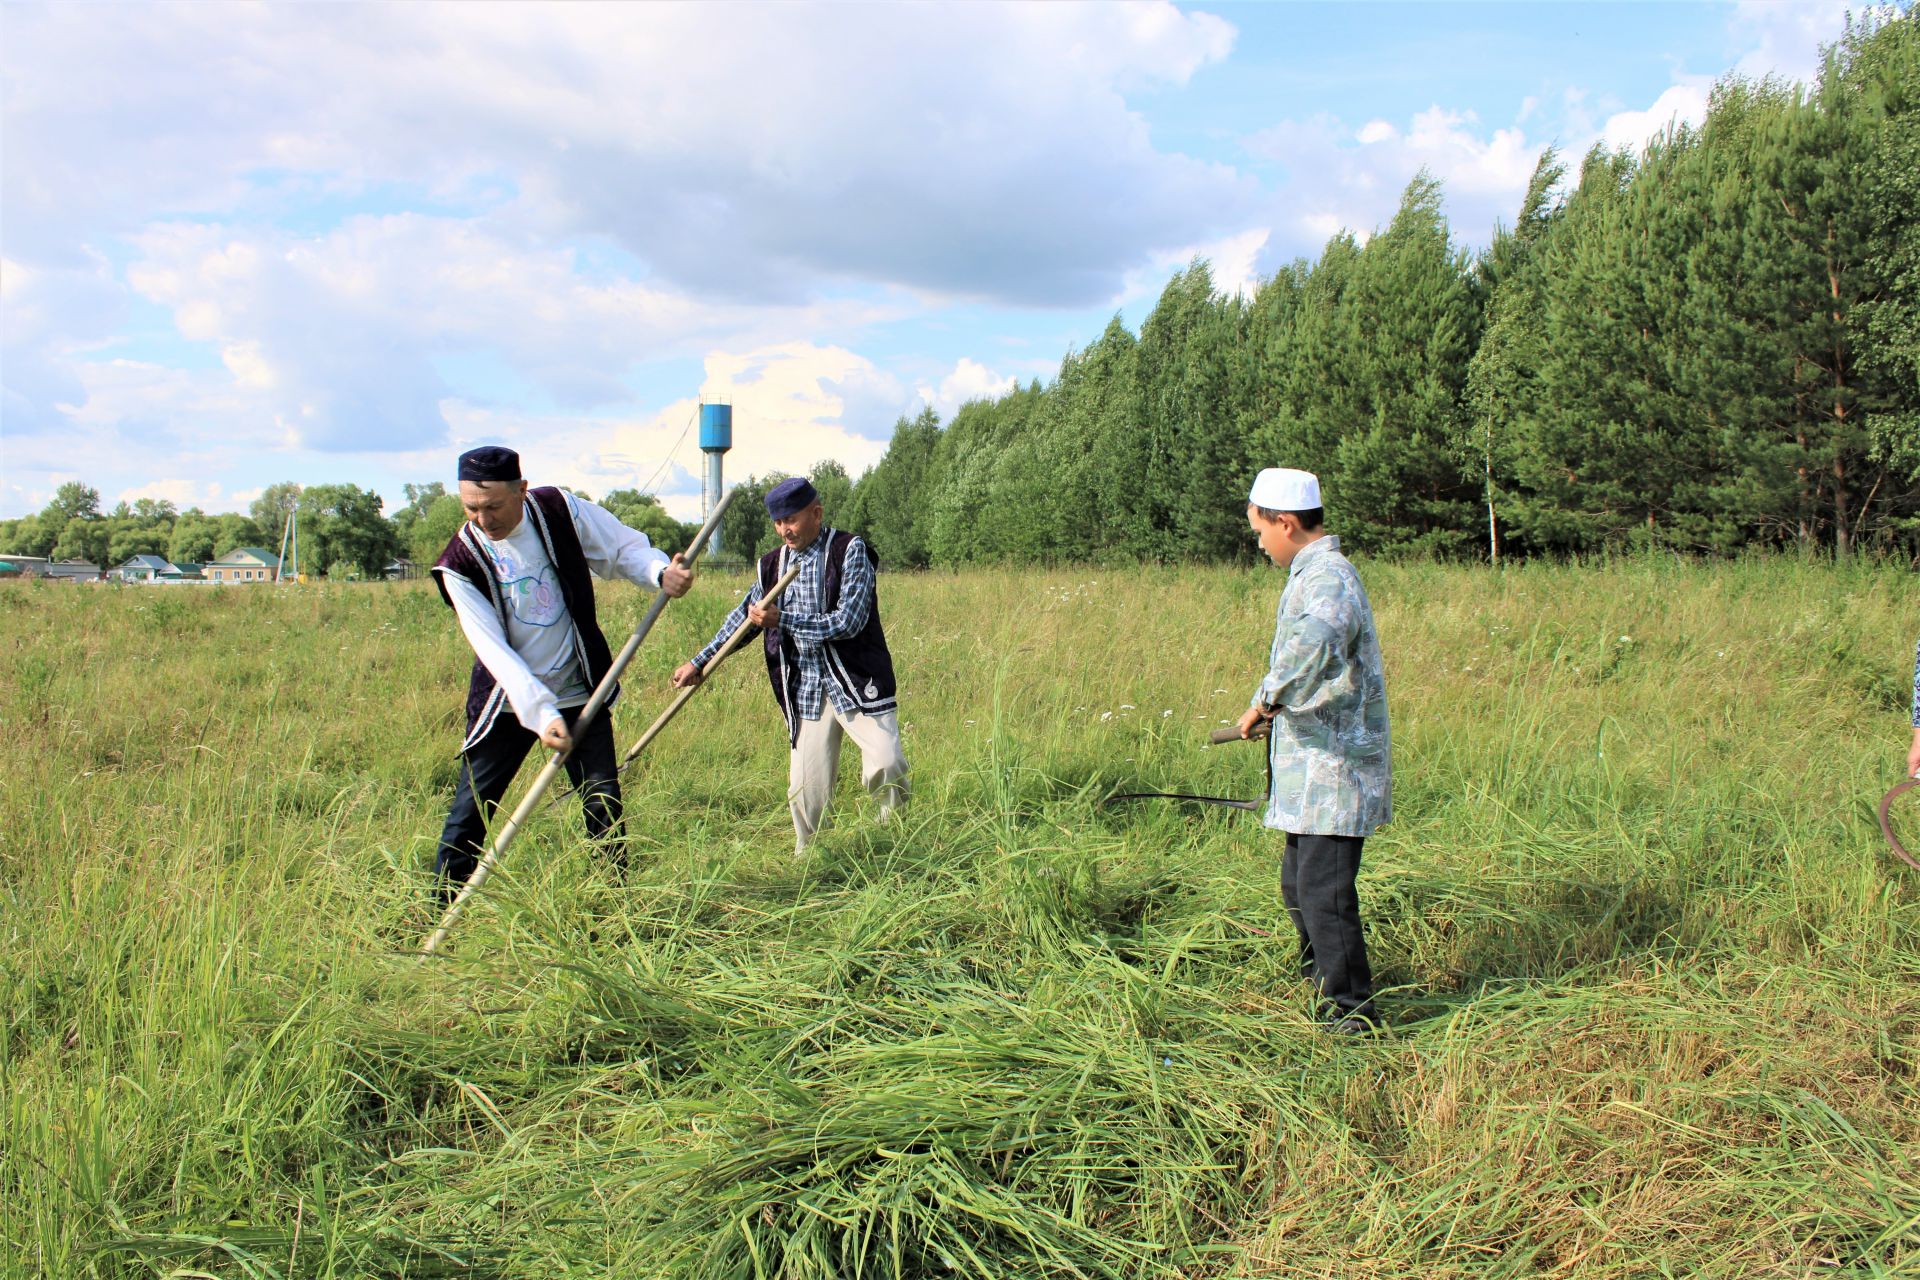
860	665
466	555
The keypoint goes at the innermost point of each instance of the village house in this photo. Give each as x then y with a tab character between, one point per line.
141	568
154	569
243	564
56	570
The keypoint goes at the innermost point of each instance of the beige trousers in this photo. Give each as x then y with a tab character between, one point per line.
816	761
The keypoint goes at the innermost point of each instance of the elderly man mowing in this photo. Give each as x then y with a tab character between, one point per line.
826	656
1332	780
519	575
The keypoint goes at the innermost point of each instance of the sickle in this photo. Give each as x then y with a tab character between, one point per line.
1260	730
1250	806
1886	821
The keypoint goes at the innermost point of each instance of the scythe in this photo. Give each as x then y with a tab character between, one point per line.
601	693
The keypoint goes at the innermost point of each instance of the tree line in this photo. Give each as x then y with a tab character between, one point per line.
1708	345
343	531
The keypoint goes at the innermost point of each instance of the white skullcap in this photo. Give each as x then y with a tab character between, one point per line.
1284	489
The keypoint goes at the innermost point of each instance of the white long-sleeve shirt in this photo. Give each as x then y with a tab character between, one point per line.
535	657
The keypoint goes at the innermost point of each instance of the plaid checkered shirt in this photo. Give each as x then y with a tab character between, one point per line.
802	618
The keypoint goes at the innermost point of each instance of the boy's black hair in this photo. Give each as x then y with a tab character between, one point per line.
1310	519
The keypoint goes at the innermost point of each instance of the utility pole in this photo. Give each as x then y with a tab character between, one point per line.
289	540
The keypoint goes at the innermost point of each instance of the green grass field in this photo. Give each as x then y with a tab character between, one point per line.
1655	980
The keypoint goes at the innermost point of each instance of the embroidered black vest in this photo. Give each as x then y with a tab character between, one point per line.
466	555
860	665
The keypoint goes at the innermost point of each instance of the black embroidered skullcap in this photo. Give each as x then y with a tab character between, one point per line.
790	497
490	462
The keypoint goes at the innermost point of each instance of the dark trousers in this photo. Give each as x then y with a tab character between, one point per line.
487	769
1317	881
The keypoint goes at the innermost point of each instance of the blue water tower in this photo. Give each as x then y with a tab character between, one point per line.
716	437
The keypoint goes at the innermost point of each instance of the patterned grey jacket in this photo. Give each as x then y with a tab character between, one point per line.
1329	754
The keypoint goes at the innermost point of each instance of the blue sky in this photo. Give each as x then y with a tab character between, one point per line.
318	242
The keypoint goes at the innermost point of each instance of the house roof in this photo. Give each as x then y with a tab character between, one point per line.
53	568
247	557
157	563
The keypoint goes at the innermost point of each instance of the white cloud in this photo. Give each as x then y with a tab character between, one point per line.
1784	39
337	335
1233	262
50	314
1321	226
150	410
789	405
1775	38
1346	178
136	425
610	186
872	401
1351	178
788	414
968	380
197	437
1684	103
617	184
749	158
182	492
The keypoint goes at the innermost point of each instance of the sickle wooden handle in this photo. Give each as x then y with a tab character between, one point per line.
1261	730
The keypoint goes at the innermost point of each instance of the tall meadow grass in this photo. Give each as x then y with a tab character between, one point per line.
1654	982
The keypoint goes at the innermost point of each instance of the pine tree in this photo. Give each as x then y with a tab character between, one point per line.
1416	320
1499	377
1313	363
1570	413
1173	373
1878	65
891	502
1091	447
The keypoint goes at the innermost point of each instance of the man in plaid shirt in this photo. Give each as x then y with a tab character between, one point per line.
826	656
